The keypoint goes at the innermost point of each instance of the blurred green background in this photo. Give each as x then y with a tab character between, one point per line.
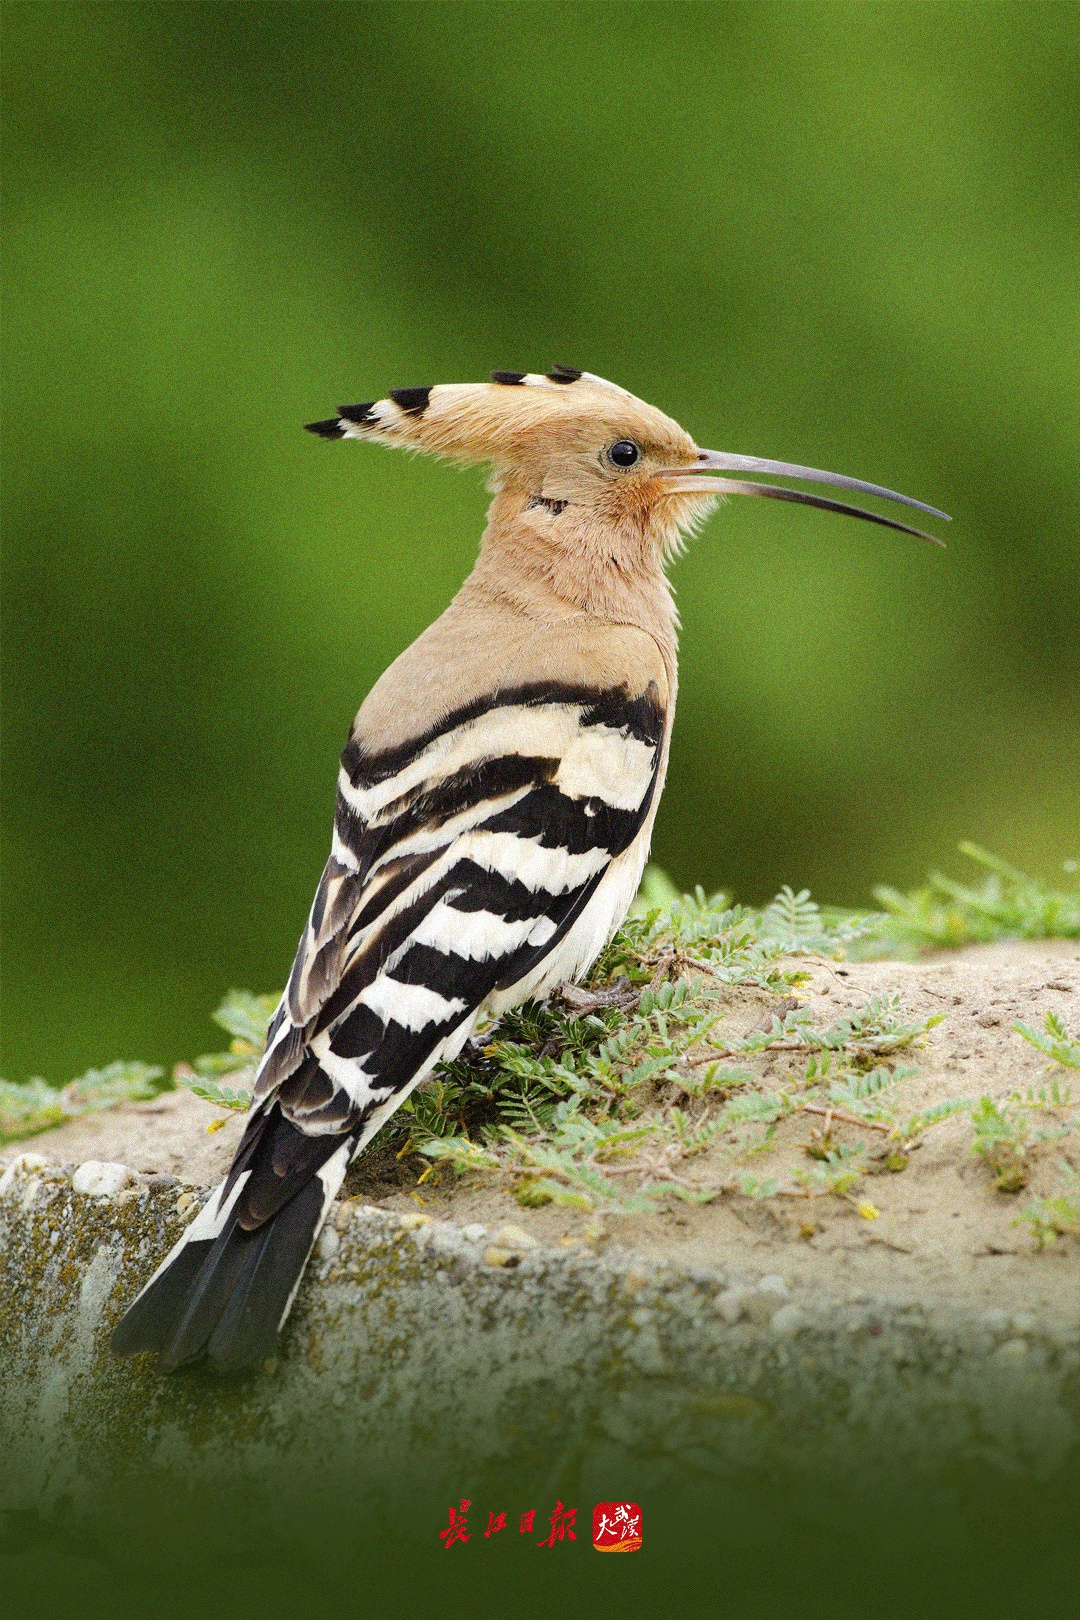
847	235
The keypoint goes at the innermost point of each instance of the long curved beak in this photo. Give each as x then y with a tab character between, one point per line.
691	480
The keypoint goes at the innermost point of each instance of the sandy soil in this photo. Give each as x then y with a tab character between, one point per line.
944	1233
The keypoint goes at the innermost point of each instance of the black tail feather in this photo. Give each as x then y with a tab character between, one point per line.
150	1320
223	1270
224	1298
248	1327
228	1286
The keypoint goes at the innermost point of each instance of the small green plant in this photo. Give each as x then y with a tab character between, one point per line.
749	1186
245	1016
800	924
1005	1139
1006	905
1057	1216
35	1106
897	1154
29	1108
874	1030
572	1163
210	1091
1054	1040
1001	1141
868	1095
839	1173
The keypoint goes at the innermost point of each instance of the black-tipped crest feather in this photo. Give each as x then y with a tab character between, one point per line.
413	401
359	415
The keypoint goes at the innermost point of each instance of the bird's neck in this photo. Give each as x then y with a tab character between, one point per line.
548	569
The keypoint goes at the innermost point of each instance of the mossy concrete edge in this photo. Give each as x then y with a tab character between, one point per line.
410	1333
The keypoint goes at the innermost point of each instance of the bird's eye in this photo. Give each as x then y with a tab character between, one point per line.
624	453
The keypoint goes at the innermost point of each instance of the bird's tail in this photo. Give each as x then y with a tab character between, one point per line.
224	1291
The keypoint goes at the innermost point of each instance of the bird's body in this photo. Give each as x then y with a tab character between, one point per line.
495	805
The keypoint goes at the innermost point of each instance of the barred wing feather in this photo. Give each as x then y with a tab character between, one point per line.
458	865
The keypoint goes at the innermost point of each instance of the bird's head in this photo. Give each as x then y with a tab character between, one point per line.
579	460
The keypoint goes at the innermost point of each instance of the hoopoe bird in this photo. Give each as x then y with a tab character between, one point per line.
495	804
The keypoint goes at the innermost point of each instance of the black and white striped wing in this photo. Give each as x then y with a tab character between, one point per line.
459	864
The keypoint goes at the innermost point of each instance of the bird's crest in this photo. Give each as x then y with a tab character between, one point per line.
500	420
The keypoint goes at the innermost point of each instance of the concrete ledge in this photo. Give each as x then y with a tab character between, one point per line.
408	1328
